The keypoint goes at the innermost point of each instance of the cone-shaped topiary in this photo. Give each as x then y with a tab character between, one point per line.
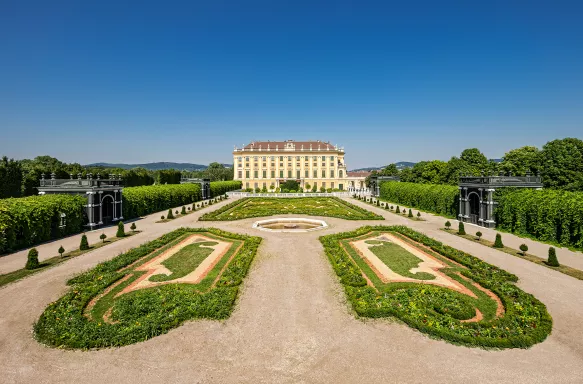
170	215
121	231
133	227
61	250
523	248
84	243
498	241
553	261
32	261
194	206
410	213
183	210
398	210
418	214
461	230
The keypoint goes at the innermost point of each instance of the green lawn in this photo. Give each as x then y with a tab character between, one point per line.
398	259
185	261
314	206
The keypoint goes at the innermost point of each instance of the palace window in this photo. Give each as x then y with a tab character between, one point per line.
315	174
255	158
246	158
332	186
306	164
332	159
297	158
340	174
280	158
315	158
298	174
272	158
332	174
289	174
265	174
281	174
273	174
264	158
273	164
246	174
281	165
307	174
246	164
240	174
323	173
264	165
256	174
298	165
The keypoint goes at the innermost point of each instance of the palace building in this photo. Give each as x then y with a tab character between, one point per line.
263	164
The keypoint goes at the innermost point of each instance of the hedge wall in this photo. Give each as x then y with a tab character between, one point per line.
31	220
437	198
549	215
140	201
220	187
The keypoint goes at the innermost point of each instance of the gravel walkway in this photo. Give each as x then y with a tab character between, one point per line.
291	324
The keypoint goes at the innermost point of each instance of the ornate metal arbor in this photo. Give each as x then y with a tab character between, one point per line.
104	196
205	186
476	199
375	183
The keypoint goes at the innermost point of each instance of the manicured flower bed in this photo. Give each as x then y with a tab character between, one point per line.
435	310
315	206
144	313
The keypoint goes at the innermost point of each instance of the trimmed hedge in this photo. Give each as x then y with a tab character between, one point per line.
549	215
141	201
31	220
436	198
524	323
148	312
219	188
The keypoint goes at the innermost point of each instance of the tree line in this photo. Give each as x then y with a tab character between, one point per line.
559	162
20	178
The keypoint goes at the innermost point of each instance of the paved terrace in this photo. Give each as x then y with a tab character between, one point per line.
292	324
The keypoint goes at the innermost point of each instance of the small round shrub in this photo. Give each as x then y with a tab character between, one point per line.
498	241
523	248
32	261
133	227
176	212
479	235
447	225
84	243
162	217
553	261
61	250
418	214
461	229
121	231
103	236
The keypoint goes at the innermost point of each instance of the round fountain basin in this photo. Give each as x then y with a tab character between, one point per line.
290	225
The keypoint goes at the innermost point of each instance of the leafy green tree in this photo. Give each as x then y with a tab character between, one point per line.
523	248
390	170
61	250
498	242
32	261
461	229
479	235
521	160
121	232
290	185
103	236
11	177
552	260
562	164
84	243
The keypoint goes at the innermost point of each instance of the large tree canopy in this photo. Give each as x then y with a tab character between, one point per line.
521	160
562	164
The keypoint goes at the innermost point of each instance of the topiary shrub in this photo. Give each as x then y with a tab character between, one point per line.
397	210
392	207
553	261
61	250
523	248
418	215
479	235
84	243
461	230
121	231
498	241
193	206
170	215
176	212
410	213
183	212
103	236
32	261
162	217
133	227
447	225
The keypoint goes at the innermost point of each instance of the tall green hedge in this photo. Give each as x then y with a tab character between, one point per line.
549	215
437	198
141	201
31	220
220	187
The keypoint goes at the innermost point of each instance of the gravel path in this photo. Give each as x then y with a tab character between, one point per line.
292	324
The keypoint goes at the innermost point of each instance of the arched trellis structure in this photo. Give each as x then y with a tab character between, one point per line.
97	191
476	200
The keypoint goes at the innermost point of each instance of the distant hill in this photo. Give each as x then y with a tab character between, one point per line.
400	166
157	166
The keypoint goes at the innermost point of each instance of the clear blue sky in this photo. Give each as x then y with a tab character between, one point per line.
142	82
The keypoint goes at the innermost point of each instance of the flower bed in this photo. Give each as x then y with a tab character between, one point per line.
315	206
142	314
439	311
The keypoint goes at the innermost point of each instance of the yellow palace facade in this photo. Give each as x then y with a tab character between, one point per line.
267	164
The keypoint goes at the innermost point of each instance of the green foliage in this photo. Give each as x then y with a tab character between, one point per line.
221	187
317	206
479	235
103	236
438	311
447	224
61	250
290	185
461	229
562	164
146	313
141	201
410	213
183	212
498	242
162	217
170	215
440	199
520	161
548	215
32	261
397	210
552	260
84	245
523	248
121	231
418	214
133	227
168	176
10	178
31	220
